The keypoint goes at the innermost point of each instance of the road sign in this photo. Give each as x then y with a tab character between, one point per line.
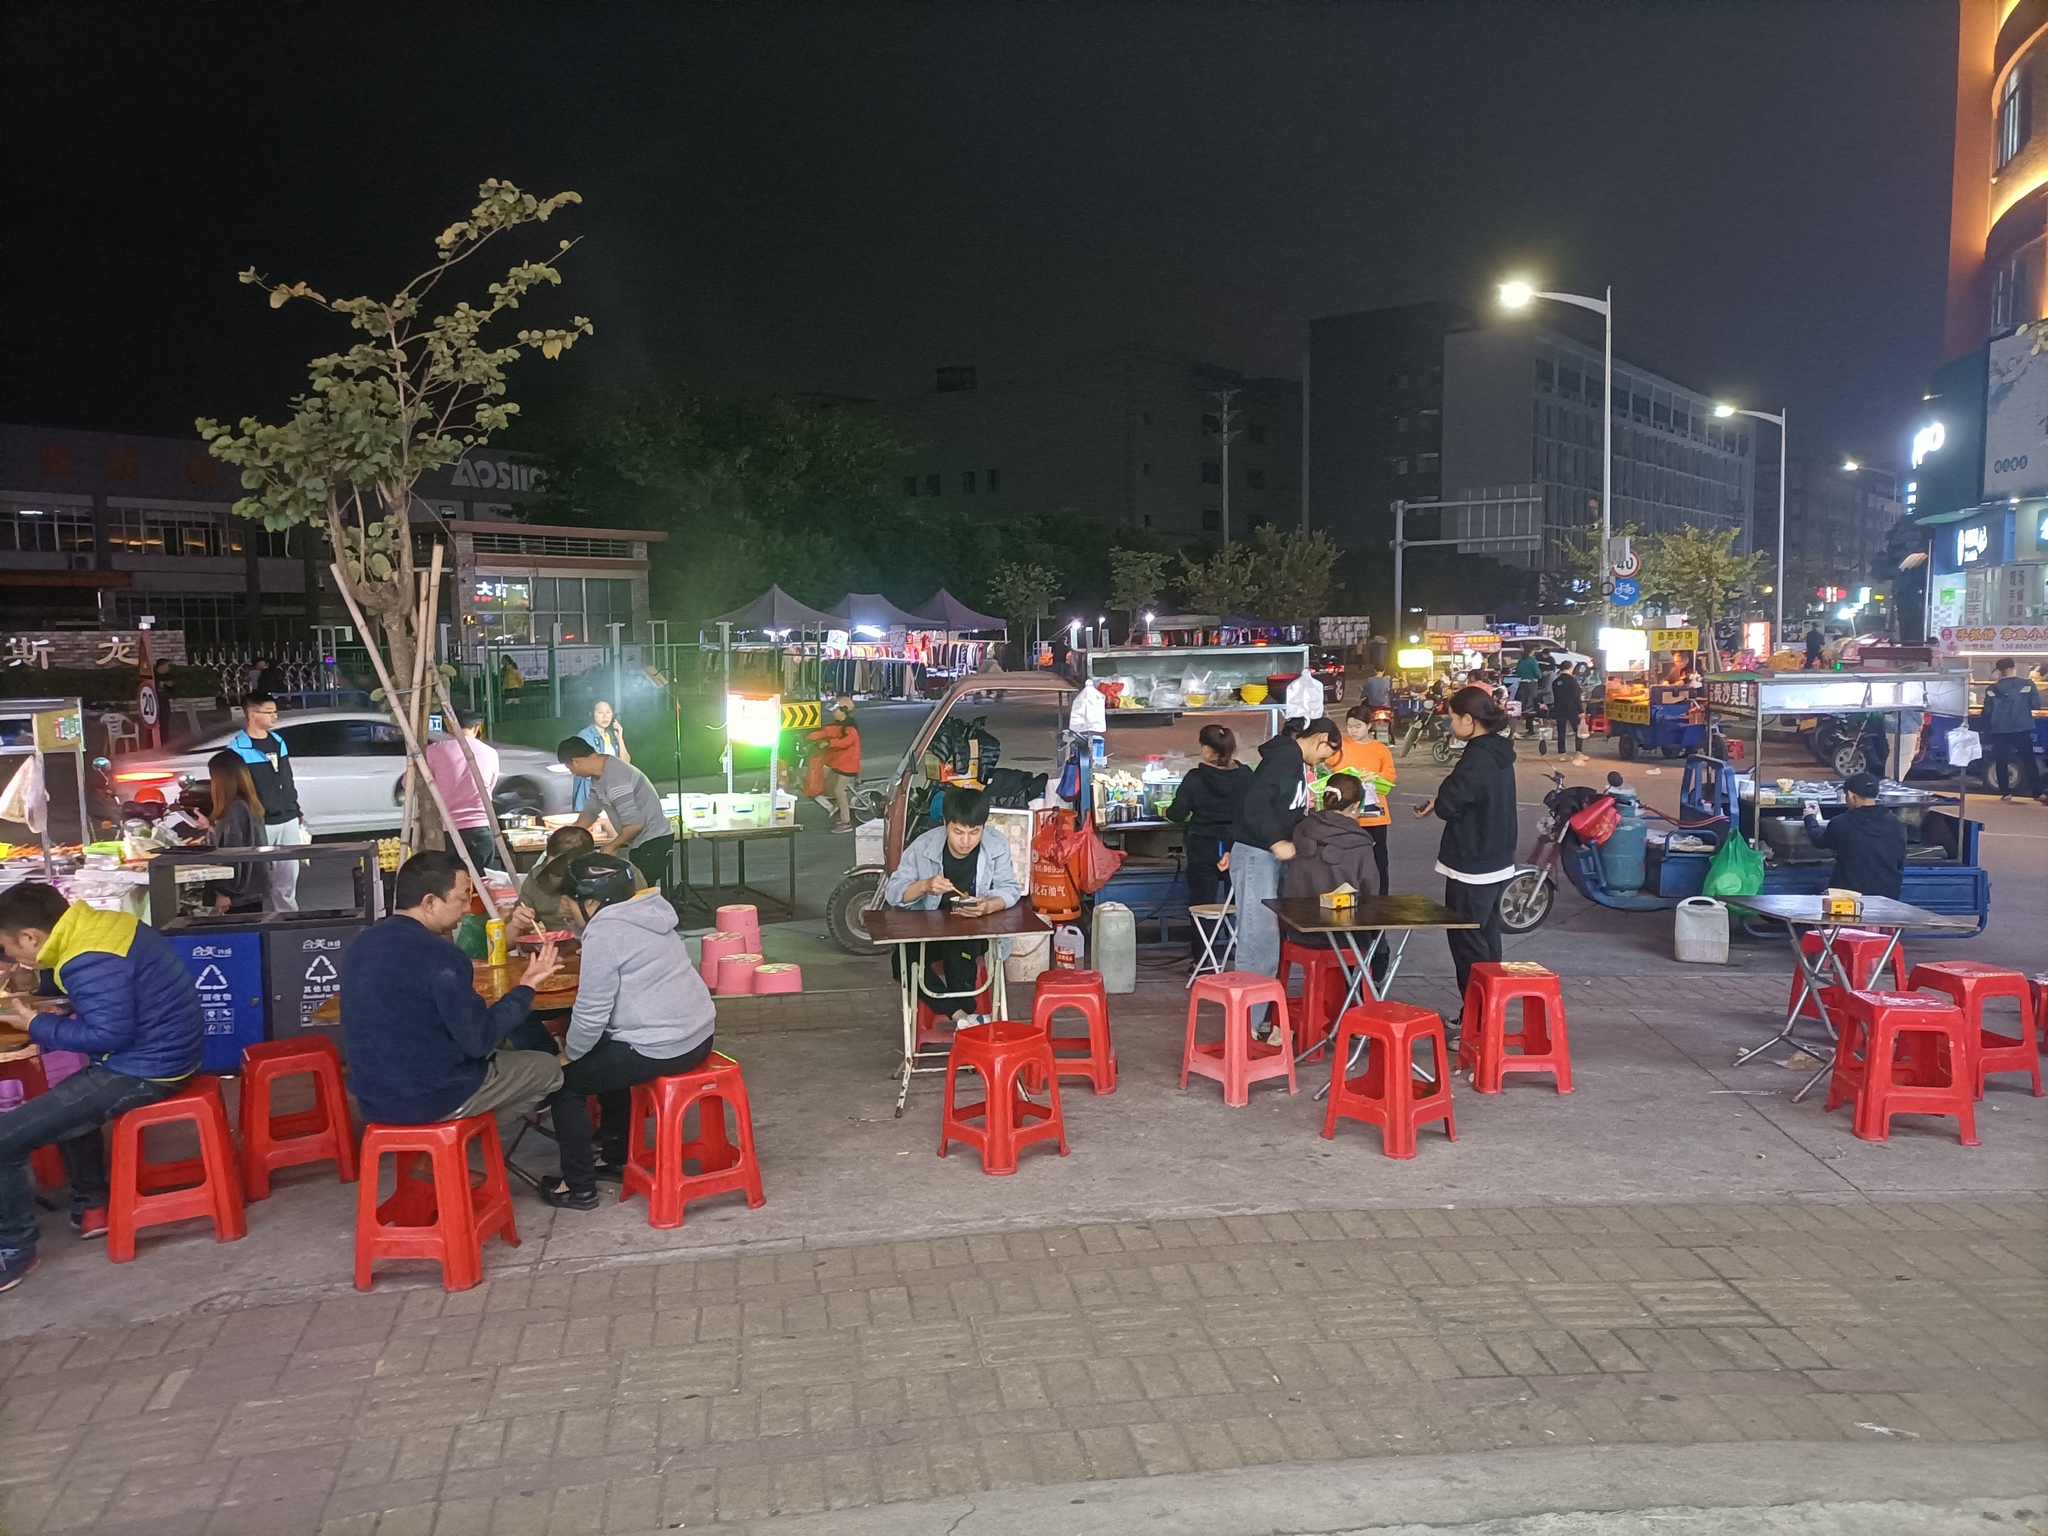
145	704
1626	592
802	717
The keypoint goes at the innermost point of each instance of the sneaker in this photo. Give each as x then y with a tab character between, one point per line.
842	826
14	1268
554	1192
90	1223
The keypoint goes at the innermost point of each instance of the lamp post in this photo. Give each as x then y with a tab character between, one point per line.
1778	421
1517	295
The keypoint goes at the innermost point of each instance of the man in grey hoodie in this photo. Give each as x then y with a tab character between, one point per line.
642	1012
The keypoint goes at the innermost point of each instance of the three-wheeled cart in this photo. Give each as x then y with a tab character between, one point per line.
1669	723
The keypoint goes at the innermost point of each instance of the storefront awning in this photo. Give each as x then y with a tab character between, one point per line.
945	611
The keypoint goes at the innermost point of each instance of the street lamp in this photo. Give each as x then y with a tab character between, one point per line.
1724	412
1518	295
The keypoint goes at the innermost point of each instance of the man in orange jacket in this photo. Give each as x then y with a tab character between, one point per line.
841	738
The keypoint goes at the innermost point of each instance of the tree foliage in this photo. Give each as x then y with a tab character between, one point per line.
1223	583
413	395
1698	570
1021	592
1136	578
1281	575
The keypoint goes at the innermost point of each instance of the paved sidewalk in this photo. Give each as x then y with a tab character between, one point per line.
642	1395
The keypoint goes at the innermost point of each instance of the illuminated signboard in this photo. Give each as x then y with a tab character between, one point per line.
1971	543
1415	659
753	721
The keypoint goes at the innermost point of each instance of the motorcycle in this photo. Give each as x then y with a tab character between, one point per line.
1526	899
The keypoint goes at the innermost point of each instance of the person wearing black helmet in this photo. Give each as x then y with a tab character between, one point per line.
642	1012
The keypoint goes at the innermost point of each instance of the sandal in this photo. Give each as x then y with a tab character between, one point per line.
556	1193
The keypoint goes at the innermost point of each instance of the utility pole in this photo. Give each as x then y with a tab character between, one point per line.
1224	414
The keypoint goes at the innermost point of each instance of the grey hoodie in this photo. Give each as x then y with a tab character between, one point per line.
638	985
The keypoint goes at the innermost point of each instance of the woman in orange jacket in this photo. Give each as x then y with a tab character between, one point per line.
1367	756
841	752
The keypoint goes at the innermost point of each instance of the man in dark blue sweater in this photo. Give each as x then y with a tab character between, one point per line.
422	1045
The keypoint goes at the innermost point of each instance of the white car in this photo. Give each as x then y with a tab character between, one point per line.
349	766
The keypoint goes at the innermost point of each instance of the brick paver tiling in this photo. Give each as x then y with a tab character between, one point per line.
620	1398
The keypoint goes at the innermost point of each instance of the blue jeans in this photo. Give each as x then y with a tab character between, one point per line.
71	1115
1255	880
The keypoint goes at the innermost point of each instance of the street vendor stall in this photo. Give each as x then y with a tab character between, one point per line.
1942	873
33	734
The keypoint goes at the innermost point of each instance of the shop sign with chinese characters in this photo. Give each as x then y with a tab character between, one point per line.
1990	639
92	649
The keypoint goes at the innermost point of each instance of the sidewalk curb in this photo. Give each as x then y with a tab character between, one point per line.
1458	1491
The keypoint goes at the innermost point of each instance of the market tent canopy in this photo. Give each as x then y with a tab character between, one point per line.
945	611
874	611
776	609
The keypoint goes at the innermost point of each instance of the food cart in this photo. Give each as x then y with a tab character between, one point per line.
40	731
1667	719
1942	872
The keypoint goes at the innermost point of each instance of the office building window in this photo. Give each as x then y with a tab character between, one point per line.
910	486
1212	520
1255	479
966	482
28	528
931	485
1399	466
2015	114
1640	407
1403	423
1212	472
994	478
1255	433
1146	417
1426	463
277	543
148	531
1546	374
205	620
1145	469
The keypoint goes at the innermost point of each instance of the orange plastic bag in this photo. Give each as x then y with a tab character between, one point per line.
1093	861
1596	823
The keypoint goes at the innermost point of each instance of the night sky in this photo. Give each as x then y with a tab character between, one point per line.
792	198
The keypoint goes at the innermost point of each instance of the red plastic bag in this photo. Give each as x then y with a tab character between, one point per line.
814	775
1596	823
1093	861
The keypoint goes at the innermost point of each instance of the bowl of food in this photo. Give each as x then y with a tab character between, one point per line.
1252	693
1197	700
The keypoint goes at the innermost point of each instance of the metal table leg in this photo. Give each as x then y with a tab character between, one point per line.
909	1023
1810	982
1363	960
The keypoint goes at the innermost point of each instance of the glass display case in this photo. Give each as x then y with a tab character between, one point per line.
1172	679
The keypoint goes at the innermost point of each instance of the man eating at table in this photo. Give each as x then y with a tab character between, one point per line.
422	1045
959	869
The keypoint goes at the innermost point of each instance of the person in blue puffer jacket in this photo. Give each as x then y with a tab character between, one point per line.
134	1011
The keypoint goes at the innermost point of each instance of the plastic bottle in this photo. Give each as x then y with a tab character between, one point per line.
1622	866
1115	946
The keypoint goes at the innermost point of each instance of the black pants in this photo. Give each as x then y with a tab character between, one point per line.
478	841
949	966
1569	723
1205	881
610	1070
1476	904
1378	835
651	858
2014	746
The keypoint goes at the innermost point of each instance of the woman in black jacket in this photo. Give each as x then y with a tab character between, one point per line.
236	818
1476	804
1208	801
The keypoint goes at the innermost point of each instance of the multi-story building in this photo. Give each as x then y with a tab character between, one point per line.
1128	439
1978	489
1838	513
101	530
1419	402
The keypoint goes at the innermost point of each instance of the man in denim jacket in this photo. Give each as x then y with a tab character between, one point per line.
959	867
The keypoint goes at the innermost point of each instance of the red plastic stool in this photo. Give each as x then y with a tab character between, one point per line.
1542	1045
1859	949
1006	1054
655	1168
1314	1013
1388	1093
1873	1025
2039	984
1970	982
445	1216
1237	1060
147	1194
317	1135
45	1161
1083	992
